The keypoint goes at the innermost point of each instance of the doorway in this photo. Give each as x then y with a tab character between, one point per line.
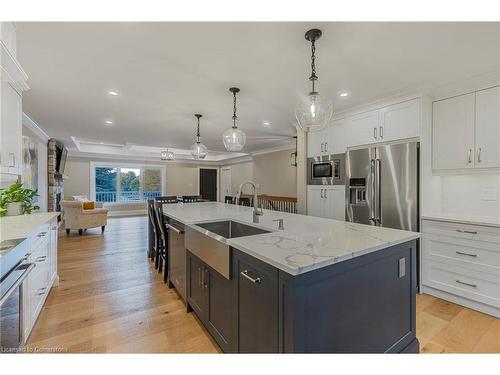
208	184
225	182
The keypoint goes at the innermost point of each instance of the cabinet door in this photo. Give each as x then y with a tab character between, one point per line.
315	201
257	289
488	128
334	203
11	138
363	129
220	309
196	295
400	121
453	132
316	143
337	135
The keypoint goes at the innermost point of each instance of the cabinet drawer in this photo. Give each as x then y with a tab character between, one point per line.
40	236
38	288
463	231
477	255
464	282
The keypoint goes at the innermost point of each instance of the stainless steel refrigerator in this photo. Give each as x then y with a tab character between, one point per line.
382	186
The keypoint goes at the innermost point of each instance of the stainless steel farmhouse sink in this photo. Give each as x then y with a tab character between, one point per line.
208	242
232	229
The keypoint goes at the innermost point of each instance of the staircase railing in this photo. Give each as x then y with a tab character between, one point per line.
278	203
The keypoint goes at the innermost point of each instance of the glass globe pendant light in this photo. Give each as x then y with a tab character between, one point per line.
234	139
198	149
313	112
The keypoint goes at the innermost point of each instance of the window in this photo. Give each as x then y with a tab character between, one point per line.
126	183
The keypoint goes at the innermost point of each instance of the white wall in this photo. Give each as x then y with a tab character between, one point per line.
42	167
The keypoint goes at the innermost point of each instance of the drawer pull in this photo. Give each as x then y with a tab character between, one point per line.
42	234
466	231
245	274
41	259
41	291
463	283
26	256
466	254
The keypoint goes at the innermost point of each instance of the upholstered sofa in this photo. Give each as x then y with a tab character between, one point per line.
75	217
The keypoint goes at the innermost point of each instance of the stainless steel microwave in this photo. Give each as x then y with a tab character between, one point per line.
326	170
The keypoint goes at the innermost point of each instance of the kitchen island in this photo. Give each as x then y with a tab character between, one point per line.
317	285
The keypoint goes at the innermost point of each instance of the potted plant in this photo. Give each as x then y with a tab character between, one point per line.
16	200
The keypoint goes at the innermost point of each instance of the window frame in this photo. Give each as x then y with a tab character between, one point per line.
119	167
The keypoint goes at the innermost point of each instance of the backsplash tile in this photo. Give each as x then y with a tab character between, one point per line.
474	194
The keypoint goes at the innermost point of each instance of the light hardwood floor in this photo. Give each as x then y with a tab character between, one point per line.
110	300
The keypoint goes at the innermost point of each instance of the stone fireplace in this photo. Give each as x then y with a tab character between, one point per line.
55	180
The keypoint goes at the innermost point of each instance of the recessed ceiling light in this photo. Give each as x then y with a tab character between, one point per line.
344	94
108	122
113	92
267	123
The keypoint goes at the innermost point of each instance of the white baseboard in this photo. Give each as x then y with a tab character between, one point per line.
118	213
490	310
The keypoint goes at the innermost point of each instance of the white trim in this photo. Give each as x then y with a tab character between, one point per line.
33	126
94	164
290	145
119	213
198	178
13	71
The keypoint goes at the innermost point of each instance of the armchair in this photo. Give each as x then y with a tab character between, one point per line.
75	217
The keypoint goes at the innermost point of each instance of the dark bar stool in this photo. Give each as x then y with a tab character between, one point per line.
191	198
161	259
157	240
244	201
229	199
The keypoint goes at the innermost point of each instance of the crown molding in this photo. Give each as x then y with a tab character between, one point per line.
33	126
13	71
289	145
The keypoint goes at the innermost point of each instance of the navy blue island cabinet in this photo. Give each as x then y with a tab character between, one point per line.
362	305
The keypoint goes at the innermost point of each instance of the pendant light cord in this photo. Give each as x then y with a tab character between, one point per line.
198	129
234	110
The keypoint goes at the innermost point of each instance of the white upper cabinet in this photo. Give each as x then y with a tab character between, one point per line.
466	131
400	121
453	132
363	128
487	129
316	143
11	130
337	137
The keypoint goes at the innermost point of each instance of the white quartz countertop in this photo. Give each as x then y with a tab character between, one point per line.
23	225
464	219
306	244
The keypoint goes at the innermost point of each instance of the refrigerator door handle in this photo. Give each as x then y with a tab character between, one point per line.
372	197
378	165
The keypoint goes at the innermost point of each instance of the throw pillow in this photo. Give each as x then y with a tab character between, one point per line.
89	205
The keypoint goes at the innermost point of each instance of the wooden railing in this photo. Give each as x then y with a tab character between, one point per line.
277	203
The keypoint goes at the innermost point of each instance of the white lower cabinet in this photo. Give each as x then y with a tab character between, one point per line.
461	263
43	253
326	201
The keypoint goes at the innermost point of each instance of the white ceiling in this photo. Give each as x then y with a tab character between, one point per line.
166	72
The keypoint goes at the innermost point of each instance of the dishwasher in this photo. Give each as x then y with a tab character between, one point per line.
177	257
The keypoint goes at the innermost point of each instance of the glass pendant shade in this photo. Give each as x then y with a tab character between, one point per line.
234	139
313	113
199	150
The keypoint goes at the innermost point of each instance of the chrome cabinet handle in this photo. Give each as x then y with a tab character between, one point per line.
206	282
466	231
469	155
41	291
464	283
41	259
26	256
381	132
375	132
245	274
322	147
467	254
321	193
479	155
325	194
326	146
41	234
